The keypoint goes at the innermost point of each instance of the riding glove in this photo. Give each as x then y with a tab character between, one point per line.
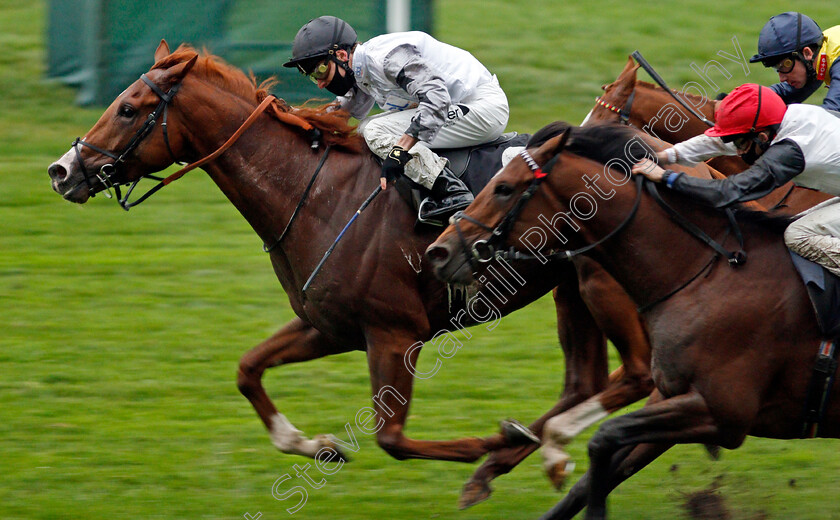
394	163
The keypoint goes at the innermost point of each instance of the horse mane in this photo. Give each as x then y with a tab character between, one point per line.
333	124
605	142
600	143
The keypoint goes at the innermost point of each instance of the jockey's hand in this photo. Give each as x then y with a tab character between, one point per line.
394	165
649	169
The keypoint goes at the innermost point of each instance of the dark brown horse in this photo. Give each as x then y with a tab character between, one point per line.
375	293
724	368
655	111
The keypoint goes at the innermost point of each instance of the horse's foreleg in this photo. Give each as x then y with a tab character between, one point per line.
625	463
297	341
392	383
585	353
616	315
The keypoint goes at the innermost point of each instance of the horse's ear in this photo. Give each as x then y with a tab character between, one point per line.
631	66
162	51
553	146
177	72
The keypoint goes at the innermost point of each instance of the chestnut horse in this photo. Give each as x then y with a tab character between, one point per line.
723	368
375	293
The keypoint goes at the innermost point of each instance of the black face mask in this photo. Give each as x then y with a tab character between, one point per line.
755	151
341	85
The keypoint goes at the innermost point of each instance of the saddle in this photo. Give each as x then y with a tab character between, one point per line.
475	165
824	292
823	289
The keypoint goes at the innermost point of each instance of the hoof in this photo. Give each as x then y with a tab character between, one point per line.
714	451
474	491
330	441
557	466
518	434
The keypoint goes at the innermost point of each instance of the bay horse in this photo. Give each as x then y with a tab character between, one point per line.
375	294
724	368
655	111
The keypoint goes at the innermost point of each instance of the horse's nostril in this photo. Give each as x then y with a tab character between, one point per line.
437	254
57	172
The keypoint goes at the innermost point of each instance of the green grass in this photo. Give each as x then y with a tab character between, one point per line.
122	332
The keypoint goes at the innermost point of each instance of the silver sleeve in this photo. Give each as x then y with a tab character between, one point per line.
410	71
357	103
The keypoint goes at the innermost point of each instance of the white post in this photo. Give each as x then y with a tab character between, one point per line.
398	17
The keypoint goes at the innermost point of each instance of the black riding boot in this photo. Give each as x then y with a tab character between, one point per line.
449	194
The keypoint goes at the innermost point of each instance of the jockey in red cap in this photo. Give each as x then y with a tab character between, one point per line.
781	143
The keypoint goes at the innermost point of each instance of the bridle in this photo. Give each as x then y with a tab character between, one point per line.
623	112
483	251
108	172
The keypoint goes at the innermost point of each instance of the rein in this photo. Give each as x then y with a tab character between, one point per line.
108	171
485	250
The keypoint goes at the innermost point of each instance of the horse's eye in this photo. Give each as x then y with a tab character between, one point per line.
503	190
127	111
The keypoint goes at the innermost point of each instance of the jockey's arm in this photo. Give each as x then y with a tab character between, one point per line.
832	98
411	72
697	149
356	102
780	163
796	95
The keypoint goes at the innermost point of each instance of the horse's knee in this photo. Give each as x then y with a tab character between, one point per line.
605	439
392	443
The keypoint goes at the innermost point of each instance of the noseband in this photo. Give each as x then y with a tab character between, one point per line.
483	251
108	171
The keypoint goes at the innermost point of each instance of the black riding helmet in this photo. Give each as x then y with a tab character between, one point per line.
318	39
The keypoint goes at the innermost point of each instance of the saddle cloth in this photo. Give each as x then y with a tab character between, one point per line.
824	291
476	165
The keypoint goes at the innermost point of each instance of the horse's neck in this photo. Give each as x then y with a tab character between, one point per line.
651	255
667	119
265	173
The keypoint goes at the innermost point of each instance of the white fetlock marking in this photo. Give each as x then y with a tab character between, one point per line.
289	439
556	461
563	428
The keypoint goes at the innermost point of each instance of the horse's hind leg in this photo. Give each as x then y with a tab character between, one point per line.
681	419
585	352
295	342
389	358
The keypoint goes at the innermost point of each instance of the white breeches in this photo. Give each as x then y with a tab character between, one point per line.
816	237
485	120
